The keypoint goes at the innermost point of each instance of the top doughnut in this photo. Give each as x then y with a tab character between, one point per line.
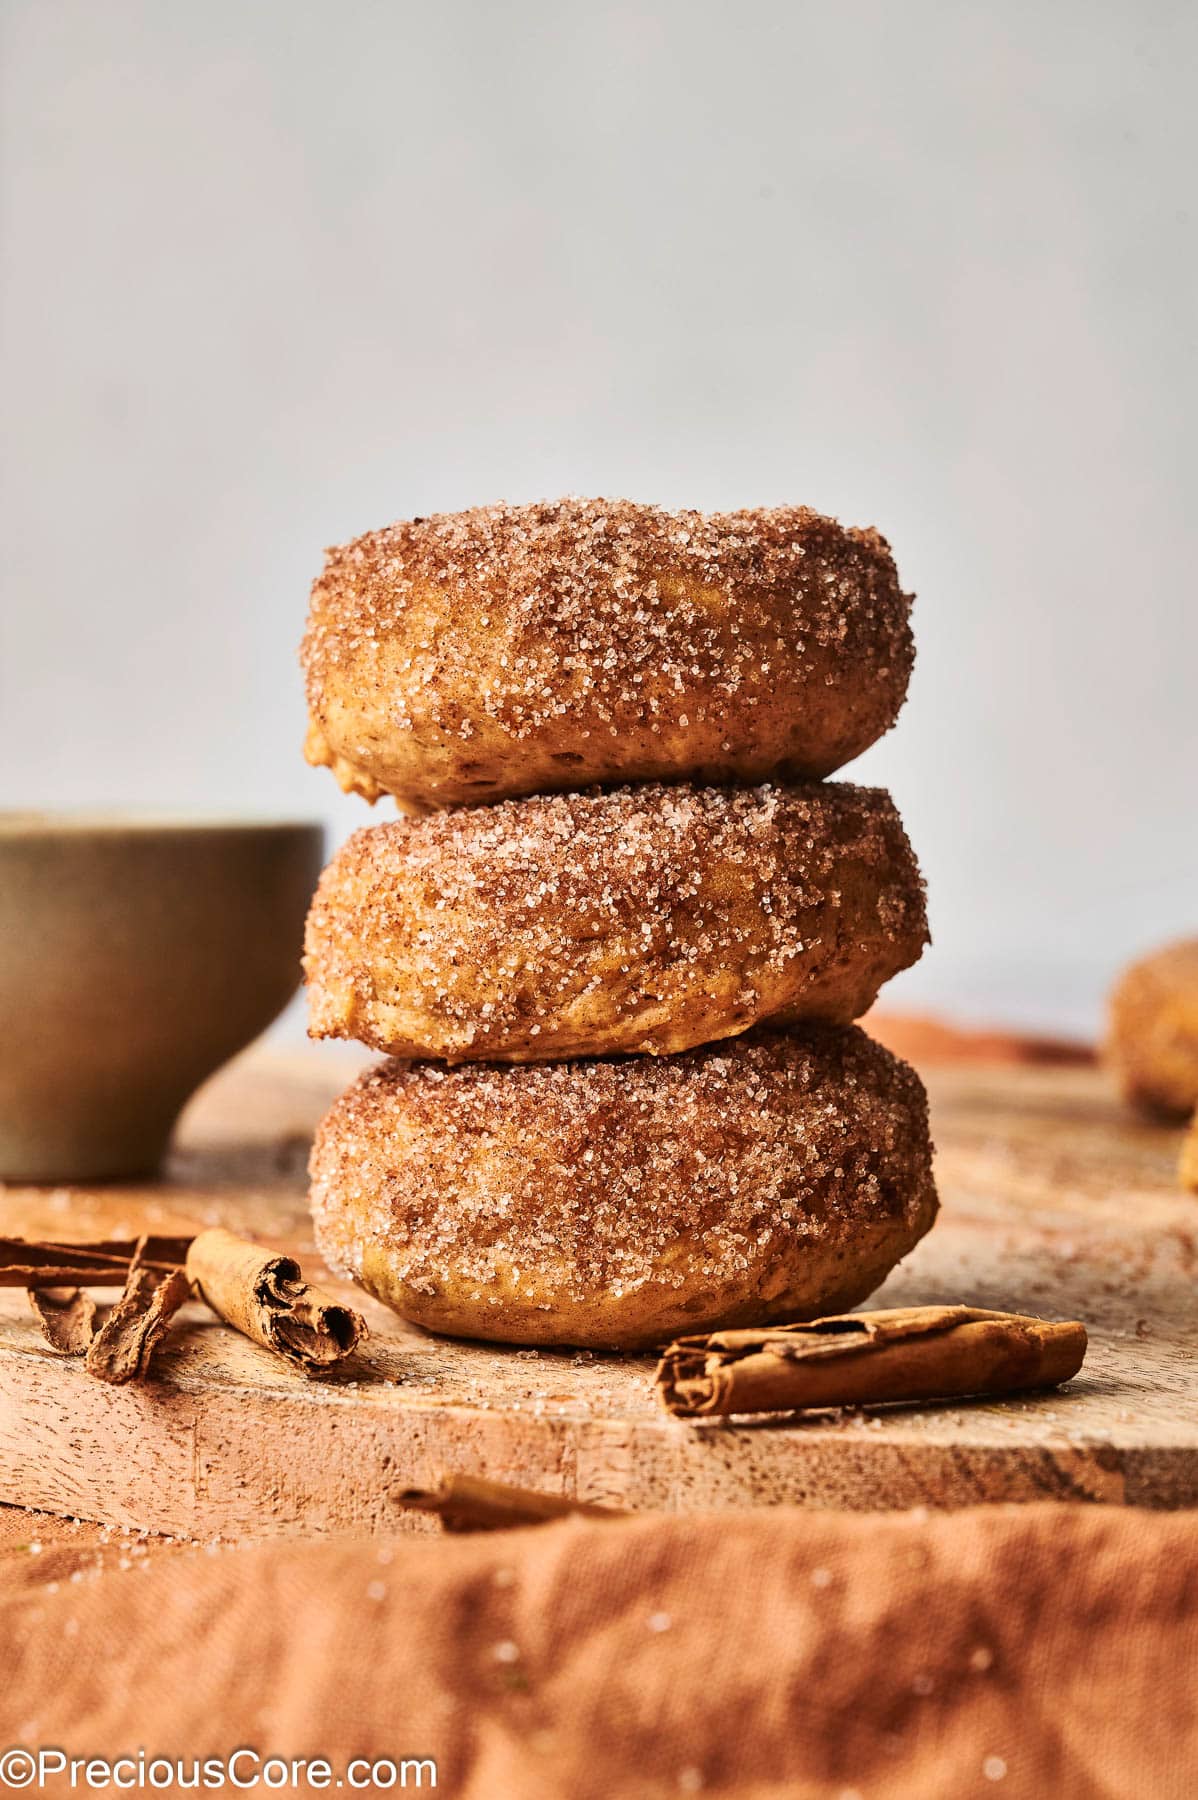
512	650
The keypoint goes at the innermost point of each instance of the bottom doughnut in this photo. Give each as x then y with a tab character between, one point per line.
616	1204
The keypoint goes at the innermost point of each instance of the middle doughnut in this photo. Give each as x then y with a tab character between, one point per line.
644	919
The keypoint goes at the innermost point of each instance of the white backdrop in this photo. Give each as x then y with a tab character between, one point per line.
276	271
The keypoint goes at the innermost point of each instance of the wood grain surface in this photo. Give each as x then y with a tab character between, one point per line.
1055	1201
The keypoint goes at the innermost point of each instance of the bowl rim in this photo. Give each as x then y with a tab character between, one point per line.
25	823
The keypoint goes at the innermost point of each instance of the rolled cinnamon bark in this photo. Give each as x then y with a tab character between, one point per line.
265	1296
50	1263
470	1503
863	1359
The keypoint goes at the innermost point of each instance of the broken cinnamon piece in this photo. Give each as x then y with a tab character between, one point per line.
121	1349
864	1359
469	1503
265	1296
40	1263
68	1317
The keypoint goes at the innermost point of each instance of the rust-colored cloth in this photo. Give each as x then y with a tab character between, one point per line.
1015	1651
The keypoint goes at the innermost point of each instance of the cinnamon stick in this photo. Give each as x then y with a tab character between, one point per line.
46	1262
121	1349
265	1296
68	1317
862	1359
470	1503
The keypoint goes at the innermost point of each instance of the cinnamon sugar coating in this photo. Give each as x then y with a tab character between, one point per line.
1152	1032
620	1203
642	919
509	650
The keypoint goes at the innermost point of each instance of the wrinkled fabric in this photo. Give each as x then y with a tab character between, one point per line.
1009	1651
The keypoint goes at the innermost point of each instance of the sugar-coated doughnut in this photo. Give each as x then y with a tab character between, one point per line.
642	919
619	1203
508	650
1152	1036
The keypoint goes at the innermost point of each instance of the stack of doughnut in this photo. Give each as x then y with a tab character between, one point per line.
615	944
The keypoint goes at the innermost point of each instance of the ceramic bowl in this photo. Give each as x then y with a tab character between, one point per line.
136	956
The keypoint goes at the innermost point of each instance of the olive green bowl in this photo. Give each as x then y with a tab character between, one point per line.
136	956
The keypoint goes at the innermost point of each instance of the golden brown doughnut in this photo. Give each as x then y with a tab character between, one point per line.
1152	1036
641	919
511	650
618	1203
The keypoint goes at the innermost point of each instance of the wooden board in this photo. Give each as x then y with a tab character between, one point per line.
1054	1201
